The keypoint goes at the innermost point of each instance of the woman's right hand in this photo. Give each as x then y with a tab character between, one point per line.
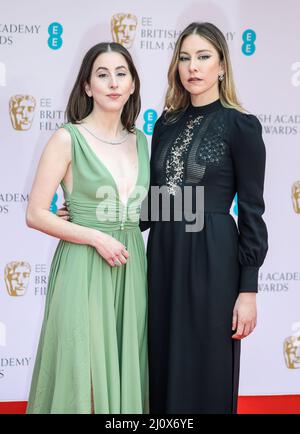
114	252
108	247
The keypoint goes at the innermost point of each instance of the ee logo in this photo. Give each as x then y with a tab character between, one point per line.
150	117
55	31
53	206
248	47
235	205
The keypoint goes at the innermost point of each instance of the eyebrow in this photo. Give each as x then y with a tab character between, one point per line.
106	69
199	51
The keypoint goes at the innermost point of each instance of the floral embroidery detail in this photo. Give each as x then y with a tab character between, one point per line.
176	158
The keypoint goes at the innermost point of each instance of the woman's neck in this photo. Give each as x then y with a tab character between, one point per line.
107	123
205	98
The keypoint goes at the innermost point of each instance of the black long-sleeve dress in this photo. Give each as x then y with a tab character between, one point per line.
195	277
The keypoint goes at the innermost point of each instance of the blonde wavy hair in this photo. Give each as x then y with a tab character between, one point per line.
177	97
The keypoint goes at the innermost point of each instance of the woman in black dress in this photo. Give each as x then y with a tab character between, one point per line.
203	284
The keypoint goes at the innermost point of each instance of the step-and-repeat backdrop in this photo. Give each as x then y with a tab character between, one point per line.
41	48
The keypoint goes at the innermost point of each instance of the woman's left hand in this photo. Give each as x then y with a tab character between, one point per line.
63	212
244	315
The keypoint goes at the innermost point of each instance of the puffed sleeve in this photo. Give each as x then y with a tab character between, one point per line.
249	157
146	223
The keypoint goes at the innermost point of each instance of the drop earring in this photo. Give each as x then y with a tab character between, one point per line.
221	77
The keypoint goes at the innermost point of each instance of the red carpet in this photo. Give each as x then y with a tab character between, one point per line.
17	407
282	404
279	404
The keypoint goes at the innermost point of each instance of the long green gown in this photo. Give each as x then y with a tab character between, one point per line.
93	343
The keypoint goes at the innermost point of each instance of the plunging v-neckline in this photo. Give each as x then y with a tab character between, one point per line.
109	172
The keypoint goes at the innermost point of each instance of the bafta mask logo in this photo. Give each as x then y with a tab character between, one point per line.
21	109
296	196
17	274
123	27
291	348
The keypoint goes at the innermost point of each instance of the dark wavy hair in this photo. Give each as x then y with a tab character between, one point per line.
80	104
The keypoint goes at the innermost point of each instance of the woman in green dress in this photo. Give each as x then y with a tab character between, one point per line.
92	353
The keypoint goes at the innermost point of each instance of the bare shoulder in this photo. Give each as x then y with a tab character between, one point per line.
61	137
60	142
